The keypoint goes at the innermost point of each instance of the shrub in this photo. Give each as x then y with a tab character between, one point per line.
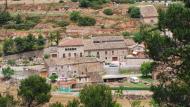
134	12
84	3
126	33
46	56
74	0
11	62
108	12
4	17
62	23
146	68
92	3
74	16
86	21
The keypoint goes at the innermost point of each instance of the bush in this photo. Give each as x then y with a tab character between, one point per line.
108	12
126	34
74	0
92	3
62	23
146	68
84	3
4	17
74	16
86	21
134	12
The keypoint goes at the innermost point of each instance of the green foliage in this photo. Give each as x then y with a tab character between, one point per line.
92	3
96	96
20	24
73	103
57	104
125	1
7	72
4	17
134	12
53	77
75	16
62	23
86	21
11	62
136	103
108	11
138	37
34	89
126	34
172	52
24	44
46	56
8	45
74	0
146	68
7	101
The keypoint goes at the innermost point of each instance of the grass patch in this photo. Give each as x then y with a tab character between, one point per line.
127	71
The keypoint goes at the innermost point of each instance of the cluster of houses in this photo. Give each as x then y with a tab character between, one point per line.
84	59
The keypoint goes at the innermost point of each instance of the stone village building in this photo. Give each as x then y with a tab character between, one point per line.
83	58
149	14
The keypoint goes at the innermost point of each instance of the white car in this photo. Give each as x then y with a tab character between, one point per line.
134	80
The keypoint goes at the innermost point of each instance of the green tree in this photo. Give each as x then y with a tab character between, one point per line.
57	104
86	21
34	90
7	72
4	17
173	53
138	37
7	101
20	44
134	12
18	19
73	103
53	77
41	41
108	11
96	96
146	68
8	46
75	16
30	42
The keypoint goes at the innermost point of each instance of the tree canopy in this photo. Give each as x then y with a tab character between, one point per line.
34	90
172	55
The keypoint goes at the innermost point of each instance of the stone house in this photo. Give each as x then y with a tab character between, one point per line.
149	14
79	68
106	48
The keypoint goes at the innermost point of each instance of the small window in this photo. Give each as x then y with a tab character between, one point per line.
75	54
106	58
112	52
54	55
106	52
63	55
80	54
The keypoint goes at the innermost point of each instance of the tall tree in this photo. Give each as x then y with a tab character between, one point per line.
96	96
34	91
172	55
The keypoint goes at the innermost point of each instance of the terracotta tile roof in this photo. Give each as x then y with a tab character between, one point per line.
71	42
89	45
148	11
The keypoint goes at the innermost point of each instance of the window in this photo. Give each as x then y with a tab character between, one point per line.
69	55
70	49
106	52
112	52
80	54
54	55
106	58
63	55
75	54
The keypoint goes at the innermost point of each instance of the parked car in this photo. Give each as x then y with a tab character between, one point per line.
134	79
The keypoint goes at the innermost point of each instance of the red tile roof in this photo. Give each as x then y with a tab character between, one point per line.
71	42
